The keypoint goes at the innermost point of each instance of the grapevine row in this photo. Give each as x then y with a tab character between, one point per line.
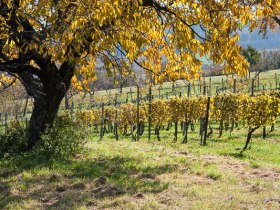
252	112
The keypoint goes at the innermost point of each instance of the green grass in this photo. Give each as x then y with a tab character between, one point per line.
262	151
149	175
152	175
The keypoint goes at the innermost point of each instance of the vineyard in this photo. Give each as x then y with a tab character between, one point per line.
119	173
174	107
230	110
207	114
146	104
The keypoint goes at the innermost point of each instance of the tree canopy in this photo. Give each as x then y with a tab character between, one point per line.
48	43
251	55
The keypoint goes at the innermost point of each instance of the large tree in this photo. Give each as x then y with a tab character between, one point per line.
252	55
45	44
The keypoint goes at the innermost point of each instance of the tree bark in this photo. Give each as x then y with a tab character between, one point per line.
43	116
48	91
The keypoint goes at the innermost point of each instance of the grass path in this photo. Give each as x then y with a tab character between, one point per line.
129	175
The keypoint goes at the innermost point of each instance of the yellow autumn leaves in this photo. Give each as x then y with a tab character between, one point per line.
166	38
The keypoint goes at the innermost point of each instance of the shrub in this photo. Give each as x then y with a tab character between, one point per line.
14	141
64	140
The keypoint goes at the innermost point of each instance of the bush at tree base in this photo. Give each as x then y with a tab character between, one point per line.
63	141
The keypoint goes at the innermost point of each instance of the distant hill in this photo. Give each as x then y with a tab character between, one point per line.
270	41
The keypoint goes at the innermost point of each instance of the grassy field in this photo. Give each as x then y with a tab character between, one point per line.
150	175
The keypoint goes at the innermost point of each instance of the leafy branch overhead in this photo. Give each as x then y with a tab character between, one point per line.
147	31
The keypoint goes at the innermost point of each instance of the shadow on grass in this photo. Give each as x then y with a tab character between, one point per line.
269	134
123	175
238	155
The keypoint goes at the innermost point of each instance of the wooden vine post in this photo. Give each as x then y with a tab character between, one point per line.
202	121
189	90
102	122
137	115
234	86
253	87
116	125
127	97
264	132
194	89
276	81
116	118
149	114
258	82
204	88
206	120
131	94
210	85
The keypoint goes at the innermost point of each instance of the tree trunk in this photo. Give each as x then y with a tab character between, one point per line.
48	89
43	116
25	106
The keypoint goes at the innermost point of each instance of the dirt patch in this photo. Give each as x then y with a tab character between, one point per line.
146	176
186	178
108	191
101	180
264	174
55	178
78	186
241	168
139	196
272	200
62	188
51	200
